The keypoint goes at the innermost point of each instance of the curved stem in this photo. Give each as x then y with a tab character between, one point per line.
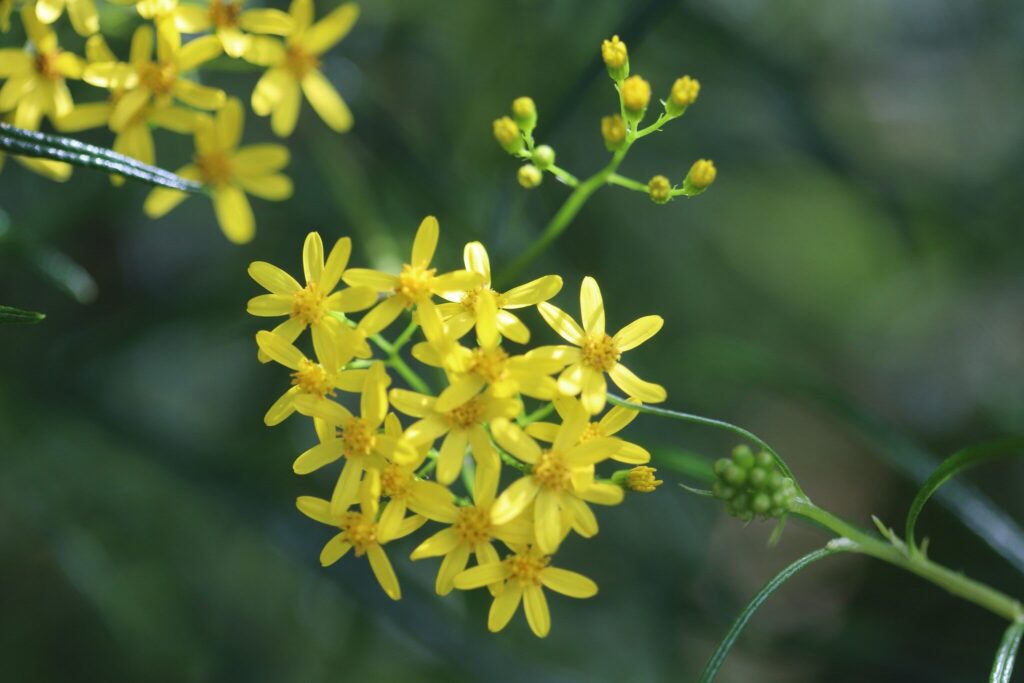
628	183
395	361
897	554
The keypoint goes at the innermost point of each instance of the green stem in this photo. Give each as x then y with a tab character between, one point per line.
563	175
915	562
538	414
399	365
628	183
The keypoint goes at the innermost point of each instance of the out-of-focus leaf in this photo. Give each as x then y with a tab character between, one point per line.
685	463
1002	667
955	464
9	314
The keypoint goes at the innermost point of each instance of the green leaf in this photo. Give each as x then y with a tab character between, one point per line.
686	463
1002	667
955	464
718	658
9	314
28	143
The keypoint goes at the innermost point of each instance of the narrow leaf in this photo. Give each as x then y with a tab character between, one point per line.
9	314
955	464
27	143
1002	667
718	658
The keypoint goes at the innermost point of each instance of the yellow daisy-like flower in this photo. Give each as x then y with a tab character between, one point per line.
524	575
143	82
470	531
228	19
562	480
460	426
358	439
229	172
83	15
414	286
599	353
360	532
406	491
135	137
295	66
488	310
312	305
614	421
470	371
36	76
309	377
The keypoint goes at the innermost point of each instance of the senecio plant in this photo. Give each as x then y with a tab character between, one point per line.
158	88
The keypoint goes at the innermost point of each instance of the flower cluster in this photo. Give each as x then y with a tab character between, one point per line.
410	455
619	131
752	485
157	88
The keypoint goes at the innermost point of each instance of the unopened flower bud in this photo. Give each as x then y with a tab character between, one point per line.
701	175
636	95
543	157
529	176
752	485
613	130
684	93
641	479
616	58
524	111
506	132
659	189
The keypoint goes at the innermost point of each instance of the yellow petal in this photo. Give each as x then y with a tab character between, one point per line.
514	500
568	583
475	257
592	307
234	42
382	315
316	406
84	116
439	544
264	51
433	501
280	350
481	575
326	101
456	281
84	18
454	563
234	213
141	50
199	96
301	12
128	107
547	519
228	123
603	494
512	327
453	452
460	391
48	11
648	392
275	188
637	332
562	323
271	88
272	278
316	457
161	200
260	160
533	292
504	607
583	520
176	119
374	401
14	62
593	391
272	21
337	260
537	614
346	490
316	509
285	113
374	279
136	141
384	572
487	319
327	32
425	243
192	19
411	403
313	257
282	408
197	52
617	419
334	550
513	439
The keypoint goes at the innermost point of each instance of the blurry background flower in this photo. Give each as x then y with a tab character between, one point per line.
851	286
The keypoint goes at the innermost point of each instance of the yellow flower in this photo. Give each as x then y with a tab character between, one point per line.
414	286
523	575
312	306
599	353
229	20
84	17
614	421
310	378
684	92
471	370
470	531
636	94
460	426
229	172
406	491
143	81
296	65
360	532
642	479
358	439
562	480
614	52
135	137
488	310
36	76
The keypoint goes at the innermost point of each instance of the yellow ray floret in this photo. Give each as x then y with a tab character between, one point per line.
232	23
83	15
614	421
598	352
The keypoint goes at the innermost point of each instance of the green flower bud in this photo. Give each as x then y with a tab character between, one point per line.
752	485
613	130
529	176
758	478
507	133
743	456
761	503
700	177
735	475
764	459
524	111
543	157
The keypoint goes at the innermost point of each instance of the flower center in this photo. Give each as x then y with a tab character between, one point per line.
473	525
466	415
552	472
309	304
46	66
300	62
592	431
526	568
599	353
225	14
214	168
414	282
311	379
360	531
158	78
489	363
358	438
395	481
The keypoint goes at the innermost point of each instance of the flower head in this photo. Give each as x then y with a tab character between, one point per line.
230	21
701	175
615	57
684	93
523	575
613	131
610	424
230	173
598	353
295	66
508	135
659	189
636	94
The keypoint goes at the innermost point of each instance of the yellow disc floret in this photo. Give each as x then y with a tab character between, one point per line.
309	304
473	525
526	568
552	472
358	437
659	189
311	378
466	415
395	481
600	353
358	530
490	364
414	282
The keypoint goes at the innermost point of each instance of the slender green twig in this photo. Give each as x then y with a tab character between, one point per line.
628	183
395	361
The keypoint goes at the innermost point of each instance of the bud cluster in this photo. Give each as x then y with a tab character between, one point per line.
752	485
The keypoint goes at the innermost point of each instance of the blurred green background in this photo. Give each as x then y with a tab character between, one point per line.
850	289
